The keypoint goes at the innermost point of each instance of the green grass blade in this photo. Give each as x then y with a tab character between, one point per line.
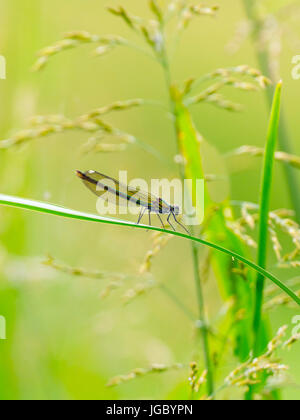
74	214
264	211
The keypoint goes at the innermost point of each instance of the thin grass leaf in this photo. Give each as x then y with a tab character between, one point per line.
54	210
264	212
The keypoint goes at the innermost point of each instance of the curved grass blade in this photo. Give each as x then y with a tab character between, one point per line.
55	210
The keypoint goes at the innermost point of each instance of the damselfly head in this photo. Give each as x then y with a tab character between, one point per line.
176	210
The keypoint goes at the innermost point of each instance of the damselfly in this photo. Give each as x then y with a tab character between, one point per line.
104	186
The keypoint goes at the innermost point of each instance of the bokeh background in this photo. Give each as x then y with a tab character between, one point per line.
63	340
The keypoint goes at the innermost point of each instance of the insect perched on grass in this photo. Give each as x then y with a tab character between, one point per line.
101	185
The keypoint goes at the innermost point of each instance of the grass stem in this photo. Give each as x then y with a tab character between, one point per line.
198	283
202	319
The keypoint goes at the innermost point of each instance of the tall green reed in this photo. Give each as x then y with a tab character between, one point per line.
265	196
266	189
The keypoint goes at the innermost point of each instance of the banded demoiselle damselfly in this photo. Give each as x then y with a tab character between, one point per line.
104	186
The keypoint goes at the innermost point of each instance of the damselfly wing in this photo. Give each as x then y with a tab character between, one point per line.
112	190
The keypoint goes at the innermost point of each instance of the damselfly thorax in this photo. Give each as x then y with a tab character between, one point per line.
105	187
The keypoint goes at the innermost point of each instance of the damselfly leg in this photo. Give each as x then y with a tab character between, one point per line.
180	224
141	215
162	223
169	222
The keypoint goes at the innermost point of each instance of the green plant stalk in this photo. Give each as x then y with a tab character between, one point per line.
203	322
55	210
195	253
284	138
266	189
232	287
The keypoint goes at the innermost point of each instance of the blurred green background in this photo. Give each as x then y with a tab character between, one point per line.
63	340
